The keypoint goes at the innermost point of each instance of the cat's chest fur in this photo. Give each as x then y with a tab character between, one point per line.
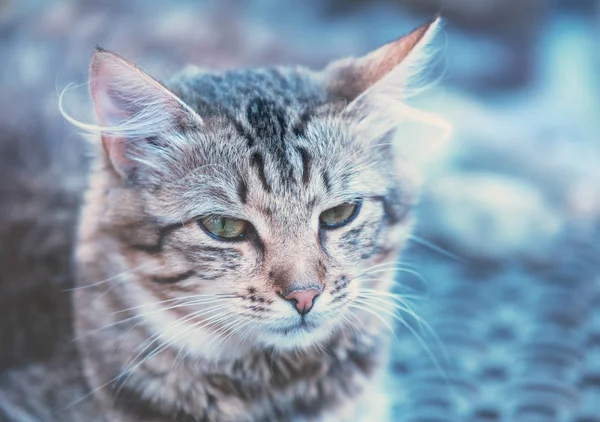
326	384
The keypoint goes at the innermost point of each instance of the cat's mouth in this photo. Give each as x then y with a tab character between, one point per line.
302	326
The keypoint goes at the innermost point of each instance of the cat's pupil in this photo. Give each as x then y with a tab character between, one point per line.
338	213
224	227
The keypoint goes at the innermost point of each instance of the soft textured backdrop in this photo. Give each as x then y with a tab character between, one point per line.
507	243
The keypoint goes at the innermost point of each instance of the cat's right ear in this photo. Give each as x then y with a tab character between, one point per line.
132	108
375	88
385	70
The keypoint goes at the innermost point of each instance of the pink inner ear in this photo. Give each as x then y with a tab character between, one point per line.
115	148
107	72
119	91
112	77
131	106
380	62
107	110
349	78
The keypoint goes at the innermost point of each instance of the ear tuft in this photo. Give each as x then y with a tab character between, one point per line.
350	78
131	107
122	92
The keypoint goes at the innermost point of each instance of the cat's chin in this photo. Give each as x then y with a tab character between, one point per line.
294	339
300	336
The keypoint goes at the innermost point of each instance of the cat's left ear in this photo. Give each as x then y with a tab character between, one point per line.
385	70
134	108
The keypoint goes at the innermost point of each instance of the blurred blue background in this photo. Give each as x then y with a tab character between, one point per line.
506	247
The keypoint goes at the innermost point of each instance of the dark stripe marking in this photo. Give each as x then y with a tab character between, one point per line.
326	181
162	234
266	118
352	237
269	122
339	297
299	129
259	246
322	242
257	161
242	191
268	211
394	207
243	132
280	114
306	164
173	279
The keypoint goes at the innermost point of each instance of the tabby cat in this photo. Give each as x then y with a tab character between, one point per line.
237	245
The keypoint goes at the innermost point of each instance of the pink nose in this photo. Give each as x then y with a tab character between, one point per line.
303	299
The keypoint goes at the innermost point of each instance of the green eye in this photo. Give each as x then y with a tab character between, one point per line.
339	216
224	227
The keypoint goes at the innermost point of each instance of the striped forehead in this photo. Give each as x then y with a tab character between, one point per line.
277	152
270	112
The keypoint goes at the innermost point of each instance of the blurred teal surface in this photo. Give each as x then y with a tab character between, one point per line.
515	320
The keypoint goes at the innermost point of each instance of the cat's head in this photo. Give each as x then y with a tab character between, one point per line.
265	206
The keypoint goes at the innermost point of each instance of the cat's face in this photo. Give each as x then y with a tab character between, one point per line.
254	206
284	238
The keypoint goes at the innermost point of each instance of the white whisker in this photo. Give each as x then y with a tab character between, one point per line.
107	280
145	314
417	336
436	248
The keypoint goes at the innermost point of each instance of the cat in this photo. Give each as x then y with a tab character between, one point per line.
236	245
